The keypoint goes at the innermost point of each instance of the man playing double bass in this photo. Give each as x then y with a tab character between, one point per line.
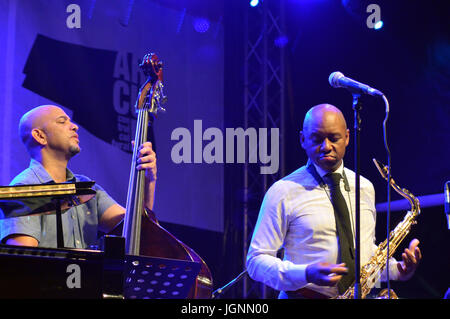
51	139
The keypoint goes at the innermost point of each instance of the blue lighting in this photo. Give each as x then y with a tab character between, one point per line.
254	3
201	25
378	25
281	41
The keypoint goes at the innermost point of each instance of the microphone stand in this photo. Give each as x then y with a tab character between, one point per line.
357	106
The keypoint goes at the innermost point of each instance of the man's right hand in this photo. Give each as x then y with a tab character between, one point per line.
325	274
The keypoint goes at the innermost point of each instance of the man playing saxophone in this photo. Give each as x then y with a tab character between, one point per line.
310	213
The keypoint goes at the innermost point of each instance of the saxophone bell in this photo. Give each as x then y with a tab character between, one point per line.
387	294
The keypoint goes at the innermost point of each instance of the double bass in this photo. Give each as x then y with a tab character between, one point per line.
143	234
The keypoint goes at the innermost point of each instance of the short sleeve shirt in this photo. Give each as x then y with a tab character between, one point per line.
80	223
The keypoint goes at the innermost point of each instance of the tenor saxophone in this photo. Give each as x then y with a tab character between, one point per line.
371	271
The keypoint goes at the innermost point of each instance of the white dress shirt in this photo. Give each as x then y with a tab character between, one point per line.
297	215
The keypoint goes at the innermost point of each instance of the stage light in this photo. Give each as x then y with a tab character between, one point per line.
378	25
281	41
201	25
254	3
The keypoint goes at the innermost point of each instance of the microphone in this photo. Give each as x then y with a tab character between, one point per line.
338	80
447	203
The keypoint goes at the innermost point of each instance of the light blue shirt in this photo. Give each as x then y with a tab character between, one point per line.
80	223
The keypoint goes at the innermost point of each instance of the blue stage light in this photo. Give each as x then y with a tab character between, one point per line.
378	25
254	3
201	25
281	41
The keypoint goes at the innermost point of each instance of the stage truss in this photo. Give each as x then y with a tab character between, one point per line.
264	100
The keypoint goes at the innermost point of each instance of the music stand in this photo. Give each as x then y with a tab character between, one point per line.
40	199
158	278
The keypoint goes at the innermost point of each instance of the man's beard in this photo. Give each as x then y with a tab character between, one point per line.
74	150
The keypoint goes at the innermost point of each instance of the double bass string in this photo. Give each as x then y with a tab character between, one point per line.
132	233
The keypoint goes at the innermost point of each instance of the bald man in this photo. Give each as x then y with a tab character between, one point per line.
297	214
51	140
